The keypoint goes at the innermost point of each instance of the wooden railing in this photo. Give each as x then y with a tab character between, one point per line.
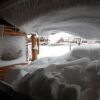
9	30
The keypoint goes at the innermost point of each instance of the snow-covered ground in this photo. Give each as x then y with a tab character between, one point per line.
54	51
51	51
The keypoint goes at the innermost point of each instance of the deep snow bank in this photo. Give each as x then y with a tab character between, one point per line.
79	67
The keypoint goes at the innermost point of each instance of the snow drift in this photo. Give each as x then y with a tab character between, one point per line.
79	69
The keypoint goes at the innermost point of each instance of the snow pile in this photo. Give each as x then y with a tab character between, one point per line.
41	86
40	63
7	92
90	51
12	50
14	74
93	80
81	67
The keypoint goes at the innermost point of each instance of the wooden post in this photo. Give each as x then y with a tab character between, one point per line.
34	47
38	45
